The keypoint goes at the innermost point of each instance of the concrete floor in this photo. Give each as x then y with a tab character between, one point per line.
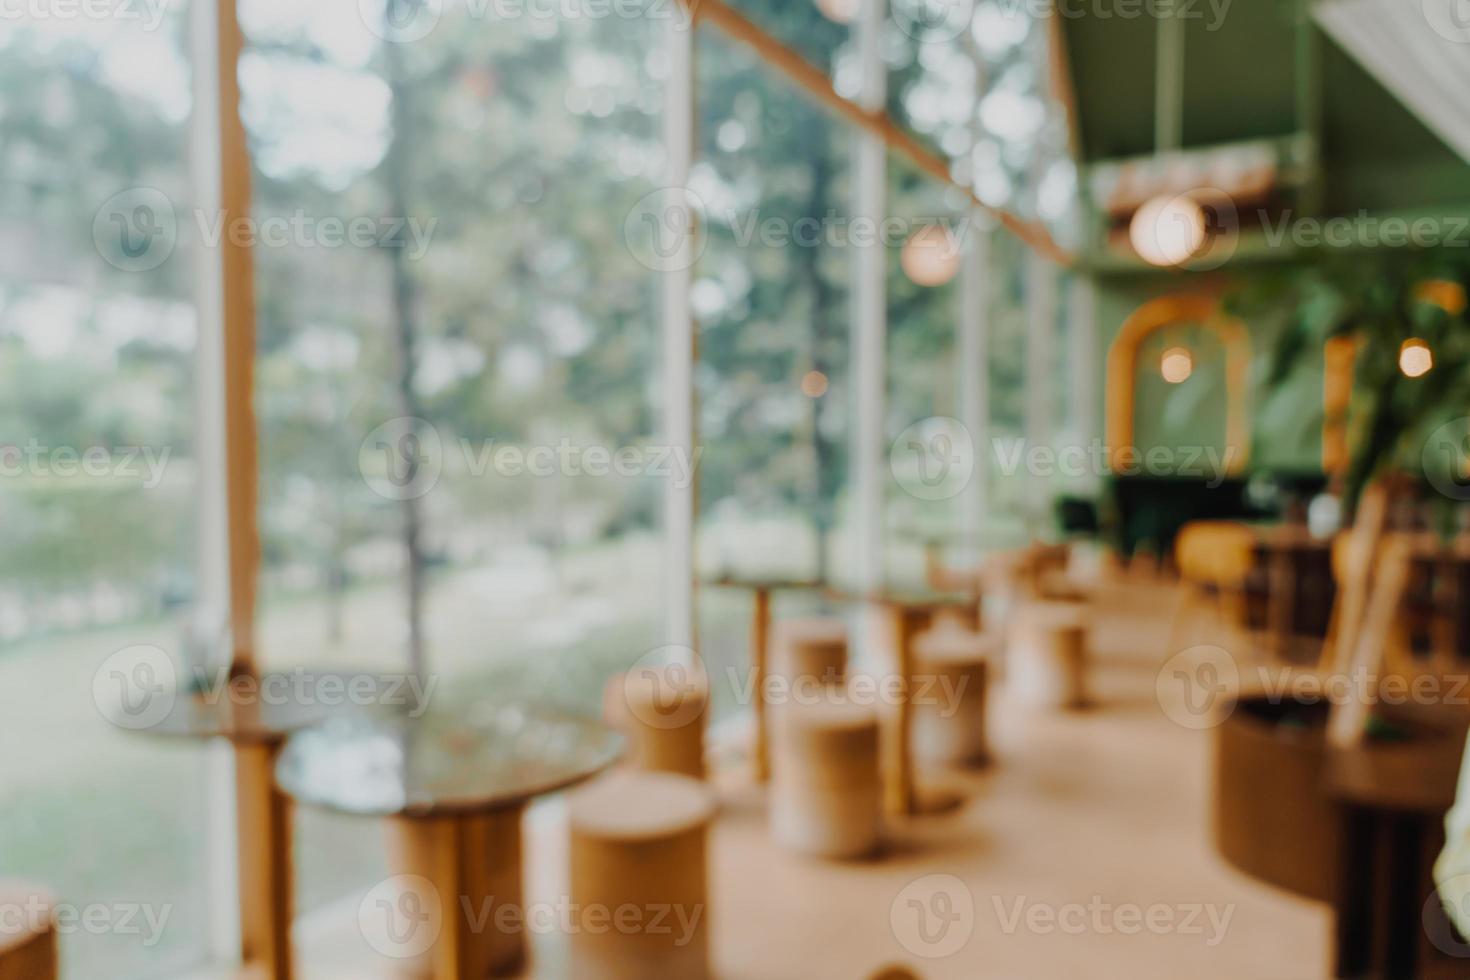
1084	852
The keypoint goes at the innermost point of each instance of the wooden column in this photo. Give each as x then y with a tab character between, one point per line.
760	658
267	905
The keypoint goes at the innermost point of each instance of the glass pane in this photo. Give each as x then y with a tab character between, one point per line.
770	298
97	478
490	164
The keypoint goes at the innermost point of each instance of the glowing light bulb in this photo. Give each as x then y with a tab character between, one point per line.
1415	358
1168	230
814	384
1176	365
931	256
839	11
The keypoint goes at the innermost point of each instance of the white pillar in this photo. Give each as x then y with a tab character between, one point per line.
678	337
1040	423
973	365
1084	368
868	309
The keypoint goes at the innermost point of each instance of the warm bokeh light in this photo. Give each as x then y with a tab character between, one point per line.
1415	358
1176	365
931	256
814	384
1168	230
1448	296
839	11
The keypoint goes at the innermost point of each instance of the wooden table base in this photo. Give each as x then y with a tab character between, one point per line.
474	864
263	813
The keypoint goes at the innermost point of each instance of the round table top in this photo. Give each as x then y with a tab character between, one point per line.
486	756
768	583
1416	776
901	598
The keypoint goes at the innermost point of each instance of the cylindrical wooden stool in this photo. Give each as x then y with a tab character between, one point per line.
813	647
951	673
963	618
1050	661
27	933
663	718
826	794
639	877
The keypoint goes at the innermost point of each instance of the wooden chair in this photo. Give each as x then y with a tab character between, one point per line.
1214	558
27	933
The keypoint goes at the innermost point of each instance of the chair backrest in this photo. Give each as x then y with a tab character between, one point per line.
1217	553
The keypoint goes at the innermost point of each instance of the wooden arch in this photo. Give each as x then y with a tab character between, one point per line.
1147	320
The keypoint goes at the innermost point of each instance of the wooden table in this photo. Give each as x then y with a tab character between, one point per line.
1391	800
761	590
452	787
908	613
256	727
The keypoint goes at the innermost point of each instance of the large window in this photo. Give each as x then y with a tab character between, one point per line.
97	475
457	405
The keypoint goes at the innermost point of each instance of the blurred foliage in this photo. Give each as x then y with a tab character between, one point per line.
1380	299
